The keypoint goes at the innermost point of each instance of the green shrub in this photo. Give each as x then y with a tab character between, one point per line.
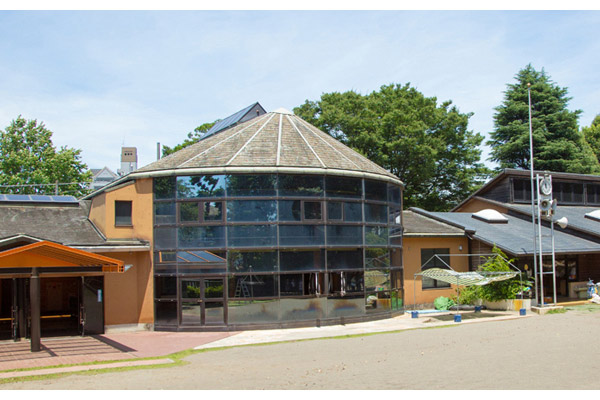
443	303
467	295
507	289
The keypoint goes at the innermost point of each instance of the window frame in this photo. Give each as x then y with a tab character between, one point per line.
424	258
119	223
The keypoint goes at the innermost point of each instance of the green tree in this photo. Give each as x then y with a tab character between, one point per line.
558	145
192	138
28	157
428	146
592	135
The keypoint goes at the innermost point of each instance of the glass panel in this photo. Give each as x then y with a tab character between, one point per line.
344	259
165	257
213	211
375	190
213	288
395	216
214	312
164	187
377	302
300	185
301	235
251	211
521	190
345	307
375	213
346	283
344	235
190	289
292	284
201	236
188	212
377	279
164	238
252	261
122	212
343	187
257	311
191	313
312	210
164	213
394	194
165	287
376	235
290	210
593	193
200	257
298	260
334	211
253	286
165	312
252	236
352	212
165	268
303	309
200	186
251	185
377	258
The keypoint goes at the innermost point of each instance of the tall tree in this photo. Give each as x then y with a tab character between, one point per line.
558	145
192	138
28	157
592	135
428	146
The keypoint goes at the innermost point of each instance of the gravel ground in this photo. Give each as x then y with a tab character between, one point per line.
557	351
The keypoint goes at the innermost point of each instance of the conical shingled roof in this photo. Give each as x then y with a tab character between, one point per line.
274	142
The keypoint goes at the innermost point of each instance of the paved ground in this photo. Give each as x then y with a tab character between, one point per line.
548	352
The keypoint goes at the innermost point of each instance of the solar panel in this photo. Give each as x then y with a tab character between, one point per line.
37	198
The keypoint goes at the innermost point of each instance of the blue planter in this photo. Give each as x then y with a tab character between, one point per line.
457	318
414	314
522	311
478	308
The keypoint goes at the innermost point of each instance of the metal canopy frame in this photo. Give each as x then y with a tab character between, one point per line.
490	274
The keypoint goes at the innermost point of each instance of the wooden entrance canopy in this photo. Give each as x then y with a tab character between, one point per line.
47	254
48	257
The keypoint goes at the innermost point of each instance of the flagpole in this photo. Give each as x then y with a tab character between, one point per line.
532	191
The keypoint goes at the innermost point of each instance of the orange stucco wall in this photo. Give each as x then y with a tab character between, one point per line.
475	205
129	296
412	264
102	212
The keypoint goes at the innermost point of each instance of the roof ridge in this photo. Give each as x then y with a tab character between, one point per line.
249	140
305	141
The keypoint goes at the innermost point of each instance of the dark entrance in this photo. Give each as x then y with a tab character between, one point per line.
68	306
202	301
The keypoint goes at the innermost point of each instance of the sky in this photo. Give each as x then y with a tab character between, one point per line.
100	80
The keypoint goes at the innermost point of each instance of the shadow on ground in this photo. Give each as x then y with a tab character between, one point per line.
466	315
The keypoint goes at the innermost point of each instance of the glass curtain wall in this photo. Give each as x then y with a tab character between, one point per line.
285	248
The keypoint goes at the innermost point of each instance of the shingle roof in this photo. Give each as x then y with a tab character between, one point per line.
515	236
276	140
67	225
419	225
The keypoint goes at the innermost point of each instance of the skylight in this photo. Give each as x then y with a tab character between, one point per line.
490	216
595	215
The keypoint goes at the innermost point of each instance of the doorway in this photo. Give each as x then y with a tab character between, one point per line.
202	301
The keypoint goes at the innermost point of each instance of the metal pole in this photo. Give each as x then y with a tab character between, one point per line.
553	261
537	178
34	294
532	200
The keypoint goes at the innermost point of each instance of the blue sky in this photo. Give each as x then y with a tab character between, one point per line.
102	79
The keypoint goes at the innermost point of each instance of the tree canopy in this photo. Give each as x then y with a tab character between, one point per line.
558	145
428	146
28	157
192	138
592	135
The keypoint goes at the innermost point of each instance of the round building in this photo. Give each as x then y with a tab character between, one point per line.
273	223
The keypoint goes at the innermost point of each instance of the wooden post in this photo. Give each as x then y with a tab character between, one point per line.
34	296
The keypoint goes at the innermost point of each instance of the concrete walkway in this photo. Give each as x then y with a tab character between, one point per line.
132	346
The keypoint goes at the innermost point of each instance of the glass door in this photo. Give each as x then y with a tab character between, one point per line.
202	301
